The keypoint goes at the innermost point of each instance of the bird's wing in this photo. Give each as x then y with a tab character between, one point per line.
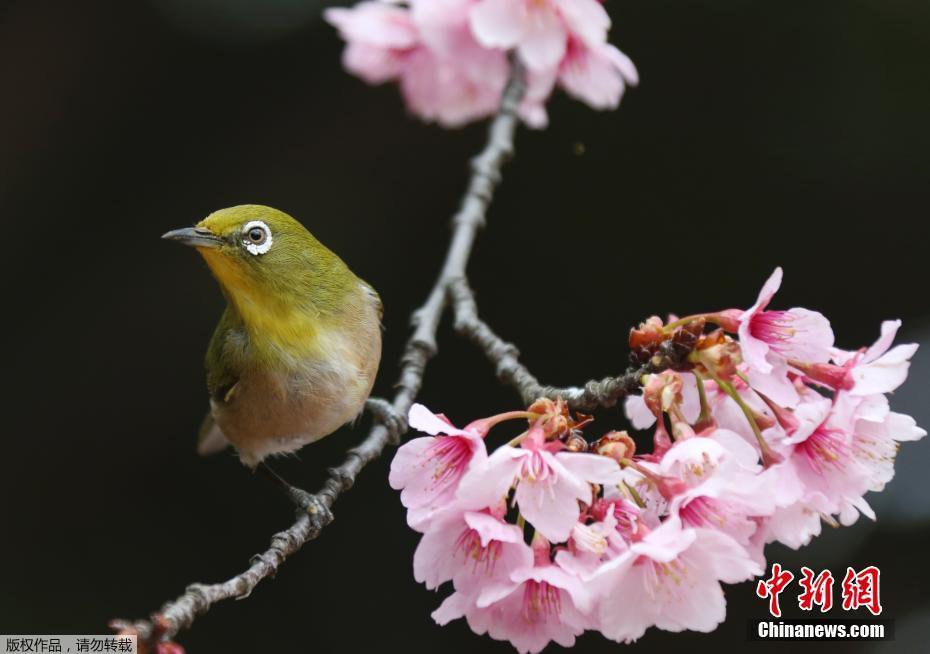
222	377
373	294
222	372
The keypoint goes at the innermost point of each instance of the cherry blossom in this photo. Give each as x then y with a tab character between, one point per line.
762	434
676	573
450	56
539	30
767	336
548	485
540	603
470	548
428	470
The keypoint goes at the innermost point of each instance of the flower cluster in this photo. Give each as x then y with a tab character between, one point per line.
450	56
762	432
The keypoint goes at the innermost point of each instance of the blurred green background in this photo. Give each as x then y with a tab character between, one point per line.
763	134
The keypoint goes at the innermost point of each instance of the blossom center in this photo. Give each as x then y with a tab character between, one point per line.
702	512
825	449
483	558
540	601
773	327
534	468
449	455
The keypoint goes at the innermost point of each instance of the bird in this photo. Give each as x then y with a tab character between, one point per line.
296	351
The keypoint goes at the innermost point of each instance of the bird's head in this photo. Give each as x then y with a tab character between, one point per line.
267	262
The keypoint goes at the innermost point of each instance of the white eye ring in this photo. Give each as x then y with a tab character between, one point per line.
260	244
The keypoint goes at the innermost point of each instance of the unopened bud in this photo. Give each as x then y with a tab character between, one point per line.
648	334
661	391
544	405
576	442
727	319
554	419
836	377
721	358
763	421
686	337
617	445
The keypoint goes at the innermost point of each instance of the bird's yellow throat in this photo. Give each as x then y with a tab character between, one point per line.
276	322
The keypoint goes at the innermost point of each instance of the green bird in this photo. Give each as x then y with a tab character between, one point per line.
296	351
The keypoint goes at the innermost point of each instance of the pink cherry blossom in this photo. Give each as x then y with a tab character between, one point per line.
645	539
876	437
472	548
617	523
379	37
439	90
428	470
452	79
450	56
729	416
642	417
796	333
549	485
816	478
723	488
879	369
540	604
597	73
769	337
676	573
538	30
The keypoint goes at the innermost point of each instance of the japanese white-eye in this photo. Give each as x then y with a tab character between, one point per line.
296	351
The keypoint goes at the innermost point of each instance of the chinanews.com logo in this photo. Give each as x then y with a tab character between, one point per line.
860	591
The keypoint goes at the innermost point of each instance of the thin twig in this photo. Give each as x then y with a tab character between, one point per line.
593	394
180	613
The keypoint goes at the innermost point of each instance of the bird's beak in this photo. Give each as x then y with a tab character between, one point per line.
199	237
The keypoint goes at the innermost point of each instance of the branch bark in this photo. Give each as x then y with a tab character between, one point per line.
593	394
197	599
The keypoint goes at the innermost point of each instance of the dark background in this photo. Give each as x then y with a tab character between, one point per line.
764	133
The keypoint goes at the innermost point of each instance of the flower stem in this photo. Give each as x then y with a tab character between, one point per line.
486	424
768	456
702	396
672	326
645	472
675	412
631	493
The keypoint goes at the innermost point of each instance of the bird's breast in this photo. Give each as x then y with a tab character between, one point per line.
286	398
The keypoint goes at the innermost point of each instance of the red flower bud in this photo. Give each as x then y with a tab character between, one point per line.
617	445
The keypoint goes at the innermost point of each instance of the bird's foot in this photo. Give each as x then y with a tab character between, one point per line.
315	507
385	414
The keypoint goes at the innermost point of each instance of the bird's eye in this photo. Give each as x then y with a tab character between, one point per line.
256	237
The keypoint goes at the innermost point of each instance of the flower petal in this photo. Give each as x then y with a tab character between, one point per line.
486	484
498	23
544	39
591	467
422	419
586	19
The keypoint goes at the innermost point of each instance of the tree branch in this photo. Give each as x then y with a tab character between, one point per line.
180	613
593	394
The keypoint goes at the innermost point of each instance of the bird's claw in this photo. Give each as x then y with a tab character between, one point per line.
316	508
384	413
